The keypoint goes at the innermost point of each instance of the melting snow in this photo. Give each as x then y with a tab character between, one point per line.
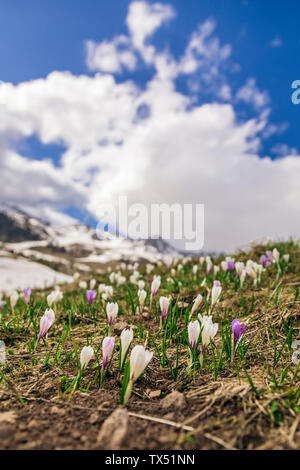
18	274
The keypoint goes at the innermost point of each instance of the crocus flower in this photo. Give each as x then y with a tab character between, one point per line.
230	265
286	258
239	267
196	303
142	294
155	286
243	276
46	322
264	261
112	312
82	285
107	349
224	265
141	285
276	255
139	359
215	293
164	303
2	303
92	283
216	269
27	294
90	296
195	269
238	329
209	266
87	353
209	330
14	299
126	339
193	333
54	297
270	256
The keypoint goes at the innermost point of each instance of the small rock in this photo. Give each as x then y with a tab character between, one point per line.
33	424
76	434
59	411
7	417
155	394
94	418
169	416
146	315
119	327
114	429
174	399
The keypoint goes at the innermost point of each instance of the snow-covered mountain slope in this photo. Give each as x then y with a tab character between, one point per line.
21	273
71	247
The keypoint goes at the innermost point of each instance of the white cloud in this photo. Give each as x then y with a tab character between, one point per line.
111	56
179	151
143	20
250	94
283	150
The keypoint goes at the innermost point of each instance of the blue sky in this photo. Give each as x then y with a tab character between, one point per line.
38	37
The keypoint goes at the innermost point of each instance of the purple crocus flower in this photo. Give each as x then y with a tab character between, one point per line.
91	295
107	348
238	329
269	257
264	261
27	294
230	265
46	322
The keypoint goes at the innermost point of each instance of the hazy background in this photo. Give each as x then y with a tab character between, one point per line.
174	102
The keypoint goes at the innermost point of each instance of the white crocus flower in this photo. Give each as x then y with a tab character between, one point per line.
155	286
276	255
195	269
215	293
87	353
141	285
216	269
164	303
286	258
139	359
209	329
46	322
224	265
121	280
243	276
198	300
239	267
193	333
54	297
112	312
92	284
13	299
149	268
83	285
126	339
142	294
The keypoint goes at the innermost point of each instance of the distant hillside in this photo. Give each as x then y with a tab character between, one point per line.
72	247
